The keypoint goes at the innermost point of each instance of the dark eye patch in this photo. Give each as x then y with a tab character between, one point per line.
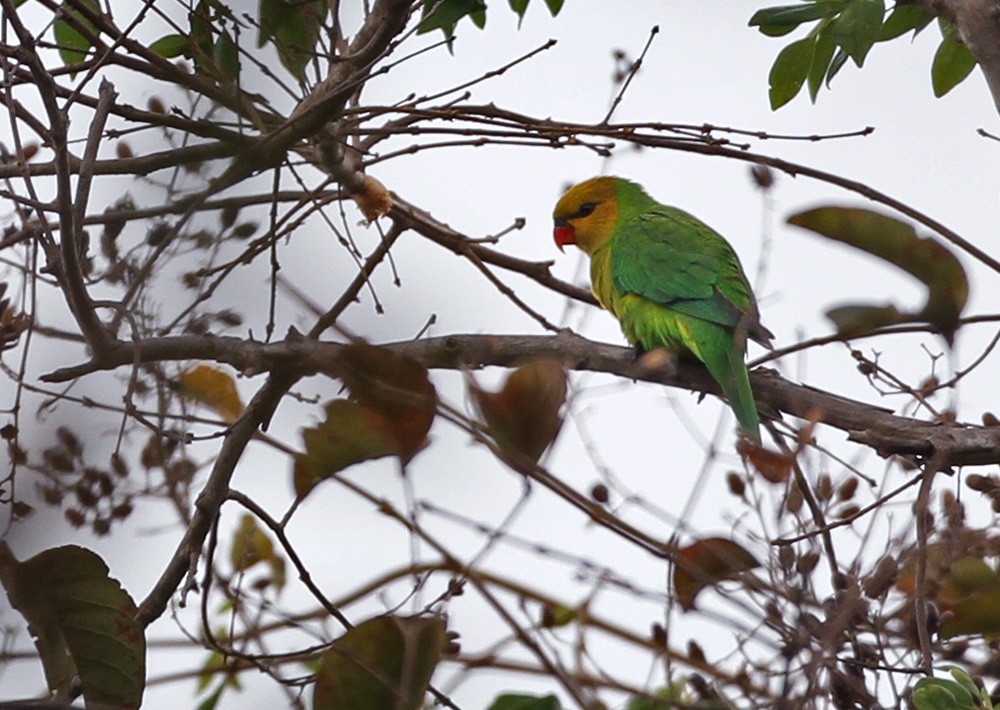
586	209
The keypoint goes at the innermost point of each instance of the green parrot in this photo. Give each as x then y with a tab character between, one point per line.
671	281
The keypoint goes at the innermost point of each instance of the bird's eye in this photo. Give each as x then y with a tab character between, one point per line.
586	209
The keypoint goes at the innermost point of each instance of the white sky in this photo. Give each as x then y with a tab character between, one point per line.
706	66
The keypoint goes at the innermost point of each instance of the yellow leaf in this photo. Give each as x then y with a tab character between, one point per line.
252	546
214	388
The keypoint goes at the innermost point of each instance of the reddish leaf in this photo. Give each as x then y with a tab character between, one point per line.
524	416
707	562
771	465
390	411
82	622
896	242
394	391
385	662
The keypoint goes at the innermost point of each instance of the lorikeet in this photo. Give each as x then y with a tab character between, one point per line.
671	281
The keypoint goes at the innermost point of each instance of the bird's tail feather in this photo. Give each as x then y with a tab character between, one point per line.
730	372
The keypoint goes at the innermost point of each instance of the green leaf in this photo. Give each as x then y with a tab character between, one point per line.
963	679
939	694
519	7
385	662
346	436
852	320
953	62
558	615
789	72
675	695
776	30
72	44
776	21
554	6
170	46
213	698
967	576
897	242
252	546
839	60
823	56
226	56
904	18
82	622
858	27
517	701
444	15
294	28
977	614
659	704
213	49
202	36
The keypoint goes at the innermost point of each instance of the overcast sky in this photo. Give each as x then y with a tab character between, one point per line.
705	66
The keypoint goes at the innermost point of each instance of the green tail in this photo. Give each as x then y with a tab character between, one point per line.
726	365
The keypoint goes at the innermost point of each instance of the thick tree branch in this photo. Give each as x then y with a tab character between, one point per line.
211	498
876	427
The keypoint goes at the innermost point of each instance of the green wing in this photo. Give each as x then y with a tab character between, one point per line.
675	260
679	282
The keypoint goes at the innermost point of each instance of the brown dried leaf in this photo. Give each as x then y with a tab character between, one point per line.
705	563
373	199
524	415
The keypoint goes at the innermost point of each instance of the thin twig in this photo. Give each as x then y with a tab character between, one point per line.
633	70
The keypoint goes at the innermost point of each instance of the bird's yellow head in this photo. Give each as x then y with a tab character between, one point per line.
587	214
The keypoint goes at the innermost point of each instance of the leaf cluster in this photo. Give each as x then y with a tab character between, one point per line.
842	30
445	15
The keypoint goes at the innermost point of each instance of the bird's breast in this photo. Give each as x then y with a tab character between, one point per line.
600	279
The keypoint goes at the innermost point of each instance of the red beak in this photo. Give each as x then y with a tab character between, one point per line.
564	234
